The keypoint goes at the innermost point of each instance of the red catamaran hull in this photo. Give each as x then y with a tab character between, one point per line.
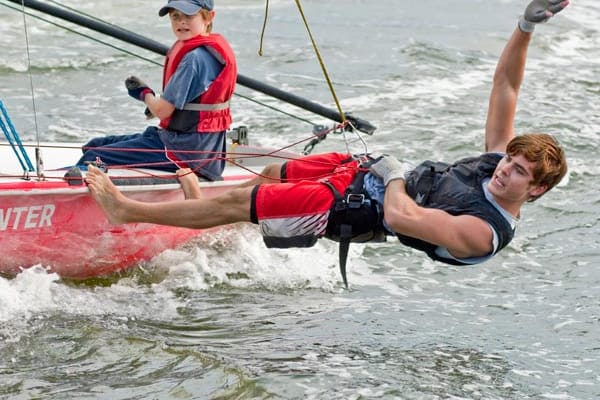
62	228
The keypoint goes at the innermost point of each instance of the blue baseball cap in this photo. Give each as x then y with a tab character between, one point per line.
188	7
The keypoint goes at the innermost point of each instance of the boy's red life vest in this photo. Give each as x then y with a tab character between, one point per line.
210	111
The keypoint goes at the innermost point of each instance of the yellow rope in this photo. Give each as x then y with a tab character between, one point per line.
323	68
264	28
329	83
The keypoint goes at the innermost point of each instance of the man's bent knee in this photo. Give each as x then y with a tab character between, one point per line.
271	173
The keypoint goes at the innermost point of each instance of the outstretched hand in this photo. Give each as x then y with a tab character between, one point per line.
136	88
539	11
388	168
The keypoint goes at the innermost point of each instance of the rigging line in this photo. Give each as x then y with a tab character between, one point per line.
275	109
229	157
316	177
359	138
237	155
264	28
344	121
321	134
35	121
39	162
322	63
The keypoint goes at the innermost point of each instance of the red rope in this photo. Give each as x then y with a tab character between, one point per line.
149	175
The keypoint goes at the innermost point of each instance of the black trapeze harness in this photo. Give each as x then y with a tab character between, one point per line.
354	216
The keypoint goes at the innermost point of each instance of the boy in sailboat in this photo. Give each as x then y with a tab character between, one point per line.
460	213
199	77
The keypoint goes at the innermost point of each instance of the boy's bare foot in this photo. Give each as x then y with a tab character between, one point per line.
106	194
189	183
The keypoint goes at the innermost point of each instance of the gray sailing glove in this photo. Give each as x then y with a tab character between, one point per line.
389	168
539	11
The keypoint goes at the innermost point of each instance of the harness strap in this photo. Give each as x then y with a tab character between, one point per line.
353	198
345	236
206	107
345	231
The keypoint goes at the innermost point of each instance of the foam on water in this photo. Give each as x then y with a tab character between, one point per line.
237	257
35	294
30	292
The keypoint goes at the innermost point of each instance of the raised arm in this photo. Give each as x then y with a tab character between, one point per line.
499	128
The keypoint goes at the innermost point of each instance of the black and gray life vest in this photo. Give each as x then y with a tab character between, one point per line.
457	189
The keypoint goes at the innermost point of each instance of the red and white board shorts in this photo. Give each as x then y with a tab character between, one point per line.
294	213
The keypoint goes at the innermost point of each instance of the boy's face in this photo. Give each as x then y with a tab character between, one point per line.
188	26
513	180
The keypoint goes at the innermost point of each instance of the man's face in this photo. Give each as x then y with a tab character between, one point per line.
513	180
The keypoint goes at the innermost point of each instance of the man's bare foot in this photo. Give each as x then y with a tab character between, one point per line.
189	183
106	194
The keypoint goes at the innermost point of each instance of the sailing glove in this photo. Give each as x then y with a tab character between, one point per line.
389	168
137	89
539	11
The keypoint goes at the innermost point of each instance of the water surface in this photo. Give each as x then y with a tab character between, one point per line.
225	318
